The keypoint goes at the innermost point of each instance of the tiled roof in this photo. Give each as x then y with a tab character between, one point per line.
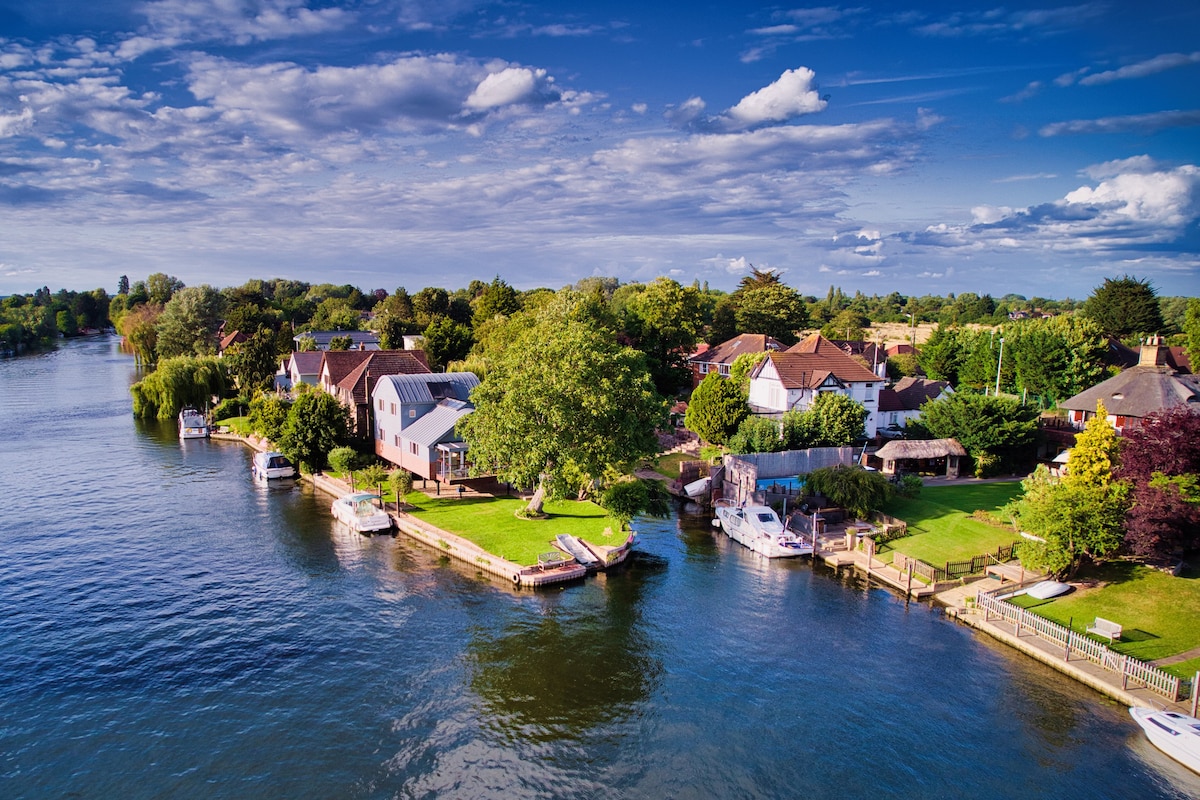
308	362
1138	392
340	363
910	393
377	364
800	370
232	339
726	352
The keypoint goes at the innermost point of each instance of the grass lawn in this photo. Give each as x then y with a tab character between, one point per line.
1159	613
492	524
239	425
940	525
669	464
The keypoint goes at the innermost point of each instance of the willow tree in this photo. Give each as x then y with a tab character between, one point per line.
179	382
563	401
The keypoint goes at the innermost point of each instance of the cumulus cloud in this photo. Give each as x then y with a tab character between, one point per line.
791	96
512	86
1141	123
238	21
1142	68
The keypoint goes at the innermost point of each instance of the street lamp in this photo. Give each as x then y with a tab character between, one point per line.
999	364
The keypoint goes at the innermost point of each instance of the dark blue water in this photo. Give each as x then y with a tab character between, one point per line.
169	629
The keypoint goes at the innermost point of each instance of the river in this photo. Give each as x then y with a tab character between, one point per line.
170	629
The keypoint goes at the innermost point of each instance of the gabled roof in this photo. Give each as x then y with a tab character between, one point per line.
808	370
438	423
323	338
340	363
910	393
899	449
379	363
433	387
1138	392
726	352
307	362
234	338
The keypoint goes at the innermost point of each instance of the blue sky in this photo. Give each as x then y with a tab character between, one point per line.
919	148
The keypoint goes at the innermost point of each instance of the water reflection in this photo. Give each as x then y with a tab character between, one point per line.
566	668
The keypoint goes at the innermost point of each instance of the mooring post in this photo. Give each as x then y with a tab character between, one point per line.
1196	693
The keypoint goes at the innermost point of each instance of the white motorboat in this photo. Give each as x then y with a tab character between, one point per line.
1177	735
358	512
759	528
192	424
271	466
698	488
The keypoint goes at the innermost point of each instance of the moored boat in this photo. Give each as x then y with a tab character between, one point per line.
358	512
271	466
1177	735
759	528
193	424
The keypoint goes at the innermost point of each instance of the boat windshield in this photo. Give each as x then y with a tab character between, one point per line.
766	516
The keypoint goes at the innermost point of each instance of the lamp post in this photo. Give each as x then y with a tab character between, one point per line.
999	364
912	339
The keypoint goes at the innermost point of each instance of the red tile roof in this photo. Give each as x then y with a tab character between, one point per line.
360	381
726	352
810	370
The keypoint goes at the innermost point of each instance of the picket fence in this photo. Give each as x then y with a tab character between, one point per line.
1077	644
953	569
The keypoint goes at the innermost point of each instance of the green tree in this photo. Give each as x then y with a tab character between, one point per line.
179	382
742	367
1191	329
254	362
344	460
756	435
400	481
1124	306
628	497
774	309
268	414
563	398
941	355
189	322
316	424
496	299
160	288
664	320
847	325
996	431
340	344
306	343
716	409
855	489
446	341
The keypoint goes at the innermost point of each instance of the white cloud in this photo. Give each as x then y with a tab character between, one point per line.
792	95
1142	68
1143	123
511	86
237	21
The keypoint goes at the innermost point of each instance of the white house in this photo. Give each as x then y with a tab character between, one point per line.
791	380
414	419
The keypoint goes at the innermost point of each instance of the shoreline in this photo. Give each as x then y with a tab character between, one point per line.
953	600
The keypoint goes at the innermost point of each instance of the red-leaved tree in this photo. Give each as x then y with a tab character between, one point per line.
1157	458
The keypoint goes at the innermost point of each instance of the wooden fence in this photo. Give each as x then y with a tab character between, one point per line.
952	569
1078	644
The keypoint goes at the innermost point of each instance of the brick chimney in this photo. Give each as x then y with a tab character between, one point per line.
1153	354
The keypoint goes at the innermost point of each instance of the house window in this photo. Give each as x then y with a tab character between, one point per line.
870	386
381	404
397	439
393	408
412	413
725	369
412	448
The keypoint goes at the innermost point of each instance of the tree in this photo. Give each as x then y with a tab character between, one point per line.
344	460
253	363
338	344
774	309
847	325
446	341
123	284
140	329
188	325
855	489
268	414
1075	520
1124	306
995	431
495	299
716	409
756	435
178	382
400	481
1191	330
624	499
664	320
160	288
564	398
1161	459
940	355
316	424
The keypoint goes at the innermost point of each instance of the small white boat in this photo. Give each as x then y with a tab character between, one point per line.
698	488
1177	735
759	528
1044	590
358	512
577	550
192	424
271	466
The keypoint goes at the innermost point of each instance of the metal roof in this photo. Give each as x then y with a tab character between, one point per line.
437	424
432	387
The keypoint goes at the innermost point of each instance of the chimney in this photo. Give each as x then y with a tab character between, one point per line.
1153	354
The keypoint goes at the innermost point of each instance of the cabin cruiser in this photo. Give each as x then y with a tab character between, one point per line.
1177	735
359	512
272	466
192	424
759	528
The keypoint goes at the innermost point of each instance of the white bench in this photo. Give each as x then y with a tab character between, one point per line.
1104	627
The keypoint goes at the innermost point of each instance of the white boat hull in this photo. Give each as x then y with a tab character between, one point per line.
759	529
271	466
358	514
1177	735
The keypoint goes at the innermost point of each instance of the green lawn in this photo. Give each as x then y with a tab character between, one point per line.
239	425
668	465
1159	613
941	528
492	524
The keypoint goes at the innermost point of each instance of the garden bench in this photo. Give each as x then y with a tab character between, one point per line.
551	560
1104	627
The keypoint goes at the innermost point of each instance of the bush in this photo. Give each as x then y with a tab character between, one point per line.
909	485
232	407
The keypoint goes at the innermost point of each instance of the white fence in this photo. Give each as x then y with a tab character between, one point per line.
1078	644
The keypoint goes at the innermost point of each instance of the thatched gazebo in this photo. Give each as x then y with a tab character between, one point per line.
930	455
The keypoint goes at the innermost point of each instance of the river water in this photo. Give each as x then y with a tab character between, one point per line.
170	629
